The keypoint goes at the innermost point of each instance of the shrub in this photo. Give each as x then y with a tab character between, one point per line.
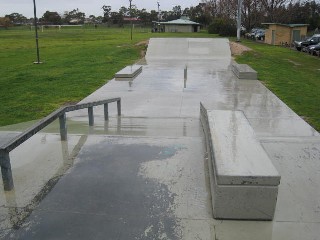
223	27
214	27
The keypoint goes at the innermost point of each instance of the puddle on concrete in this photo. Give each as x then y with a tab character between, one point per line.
105	184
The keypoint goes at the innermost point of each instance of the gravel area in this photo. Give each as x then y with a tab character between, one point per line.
238	48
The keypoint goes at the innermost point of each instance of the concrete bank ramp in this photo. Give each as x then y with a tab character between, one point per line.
187	49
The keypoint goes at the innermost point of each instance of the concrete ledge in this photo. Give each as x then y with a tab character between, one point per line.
128	72
244	71
244	182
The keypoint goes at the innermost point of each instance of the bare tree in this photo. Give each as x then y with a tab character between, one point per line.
226	9
211	7
251	13
272	7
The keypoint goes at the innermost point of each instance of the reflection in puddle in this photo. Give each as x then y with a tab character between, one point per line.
35	173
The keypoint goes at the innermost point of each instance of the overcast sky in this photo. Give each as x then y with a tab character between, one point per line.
89	7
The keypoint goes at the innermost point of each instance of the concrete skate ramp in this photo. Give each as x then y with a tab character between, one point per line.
188	49
152	182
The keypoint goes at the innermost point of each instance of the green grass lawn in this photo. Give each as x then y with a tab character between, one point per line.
76	62
293	76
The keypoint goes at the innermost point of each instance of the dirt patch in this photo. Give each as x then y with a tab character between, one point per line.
144	46
238	48
145	43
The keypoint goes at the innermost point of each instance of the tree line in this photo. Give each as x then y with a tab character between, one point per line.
108	16
254	13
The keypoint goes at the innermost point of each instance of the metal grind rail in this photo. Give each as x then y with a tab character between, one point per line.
6	148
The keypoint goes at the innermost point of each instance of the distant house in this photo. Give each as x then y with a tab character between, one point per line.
278	34
180	25
75	21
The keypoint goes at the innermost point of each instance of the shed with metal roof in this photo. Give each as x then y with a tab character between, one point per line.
181	25
280	34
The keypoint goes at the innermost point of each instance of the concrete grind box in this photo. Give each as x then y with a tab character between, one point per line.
244	182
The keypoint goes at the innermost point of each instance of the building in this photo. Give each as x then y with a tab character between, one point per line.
279	34
180	25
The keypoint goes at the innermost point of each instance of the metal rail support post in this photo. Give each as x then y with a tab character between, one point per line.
63	127
91	118
6	171
185	76
106	112
119	107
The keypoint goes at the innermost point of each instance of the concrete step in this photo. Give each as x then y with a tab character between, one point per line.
244	71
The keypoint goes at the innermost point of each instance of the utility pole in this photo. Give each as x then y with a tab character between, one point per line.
239	20
131	18
158	16
36	29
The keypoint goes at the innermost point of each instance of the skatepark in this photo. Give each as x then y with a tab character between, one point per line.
150	172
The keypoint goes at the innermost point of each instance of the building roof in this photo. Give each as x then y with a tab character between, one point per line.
180	22
287	25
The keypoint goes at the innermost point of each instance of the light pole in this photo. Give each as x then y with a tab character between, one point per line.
158	16
36	30
239	20
131	18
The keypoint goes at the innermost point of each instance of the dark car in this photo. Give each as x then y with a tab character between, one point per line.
252	33
315	39
313	48
260	34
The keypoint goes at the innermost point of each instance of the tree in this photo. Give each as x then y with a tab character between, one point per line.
144	16
313	18
200	14
134	11
92	19
99	19
154	15
117	18
186	11
252	13
210	7
74	16
51	18
222	27
125	12
272	8
177	11
106	13
16	18
5	22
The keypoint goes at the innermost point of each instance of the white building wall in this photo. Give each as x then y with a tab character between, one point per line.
178	28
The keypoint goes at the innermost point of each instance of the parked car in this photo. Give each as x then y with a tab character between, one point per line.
315	39
256	33
313	48
251	34
260	34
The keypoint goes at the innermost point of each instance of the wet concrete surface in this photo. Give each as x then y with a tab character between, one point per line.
122	187
125	190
